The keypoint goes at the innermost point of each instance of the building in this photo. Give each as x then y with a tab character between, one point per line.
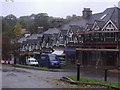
99	40
94	40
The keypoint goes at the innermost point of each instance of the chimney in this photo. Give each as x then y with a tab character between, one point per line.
87	13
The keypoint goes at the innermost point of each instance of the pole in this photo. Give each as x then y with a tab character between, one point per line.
78	71
106	74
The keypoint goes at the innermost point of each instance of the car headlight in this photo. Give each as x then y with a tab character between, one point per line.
52	63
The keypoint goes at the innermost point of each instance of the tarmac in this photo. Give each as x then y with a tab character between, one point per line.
92	72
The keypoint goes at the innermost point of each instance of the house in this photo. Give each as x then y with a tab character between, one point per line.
61	38
100	38
93	41
49	37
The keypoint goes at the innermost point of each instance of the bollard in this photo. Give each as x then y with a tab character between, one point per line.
78	71
106	74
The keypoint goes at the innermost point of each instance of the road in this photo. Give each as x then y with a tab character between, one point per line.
13	77
26	78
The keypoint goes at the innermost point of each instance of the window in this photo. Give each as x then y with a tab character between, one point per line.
52	58
97	35
96	28
110	35
70	34
61	40
79	35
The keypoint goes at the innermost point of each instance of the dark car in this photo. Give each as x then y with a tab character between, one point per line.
49	60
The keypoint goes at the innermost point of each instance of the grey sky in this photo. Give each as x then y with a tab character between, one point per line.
54	8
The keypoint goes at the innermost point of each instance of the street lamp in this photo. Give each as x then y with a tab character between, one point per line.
78	71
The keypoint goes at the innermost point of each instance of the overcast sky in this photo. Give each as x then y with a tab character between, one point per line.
56	8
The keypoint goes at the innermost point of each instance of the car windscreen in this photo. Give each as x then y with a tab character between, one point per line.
52	57
33	61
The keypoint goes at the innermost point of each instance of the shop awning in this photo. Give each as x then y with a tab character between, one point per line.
70	51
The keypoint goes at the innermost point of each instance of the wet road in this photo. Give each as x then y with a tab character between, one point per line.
27	78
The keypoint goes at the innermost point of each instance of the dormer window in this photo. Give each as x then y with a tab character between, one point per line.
70	34
97	28
110	26
88	29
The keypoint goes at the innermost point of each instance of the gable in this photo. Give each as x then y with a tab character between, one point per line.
60	36
69	32
109	26
95	26
86	28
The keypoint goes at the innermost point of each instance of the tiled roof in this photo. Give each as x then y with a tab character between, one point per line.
100	23
63	32
52	31
89	25
22	39
109	14
35	36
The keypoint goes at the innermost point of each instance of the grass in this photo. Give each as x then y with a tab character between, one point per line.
46	68
94	81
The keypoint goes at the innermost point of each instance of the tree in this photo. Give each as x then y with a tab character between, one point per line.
11	19
17	29
6	47
7	29
41	19
27	21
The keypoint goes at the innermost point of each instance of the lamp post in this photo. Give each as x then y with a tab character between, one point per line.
78	71
106	74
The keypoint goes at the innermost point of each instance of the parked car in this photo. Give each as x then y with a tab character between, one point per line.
7	62
49	60
31	61
2	62
62	59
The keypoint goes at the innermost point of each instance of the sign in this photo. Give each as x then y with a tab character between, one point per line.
43	57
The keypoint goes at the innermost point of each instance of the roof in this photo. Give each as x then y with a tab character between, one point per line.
52	31
22	39
28	39
100	23
89	25
63	32
109	14
35	36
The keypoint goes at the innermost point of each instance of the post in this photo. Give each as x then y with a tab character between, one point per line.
106	74
78	71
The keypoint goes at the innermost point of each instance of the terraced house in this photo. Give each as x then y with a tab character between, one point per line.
94	40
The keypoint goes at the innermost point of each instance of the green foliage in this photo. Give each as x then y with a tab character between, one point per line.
94	81
41	19
26	22
11	25
8	26
17	29
11	20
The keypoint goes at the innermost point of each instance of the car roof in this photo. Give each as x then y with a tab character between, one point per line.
48	54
